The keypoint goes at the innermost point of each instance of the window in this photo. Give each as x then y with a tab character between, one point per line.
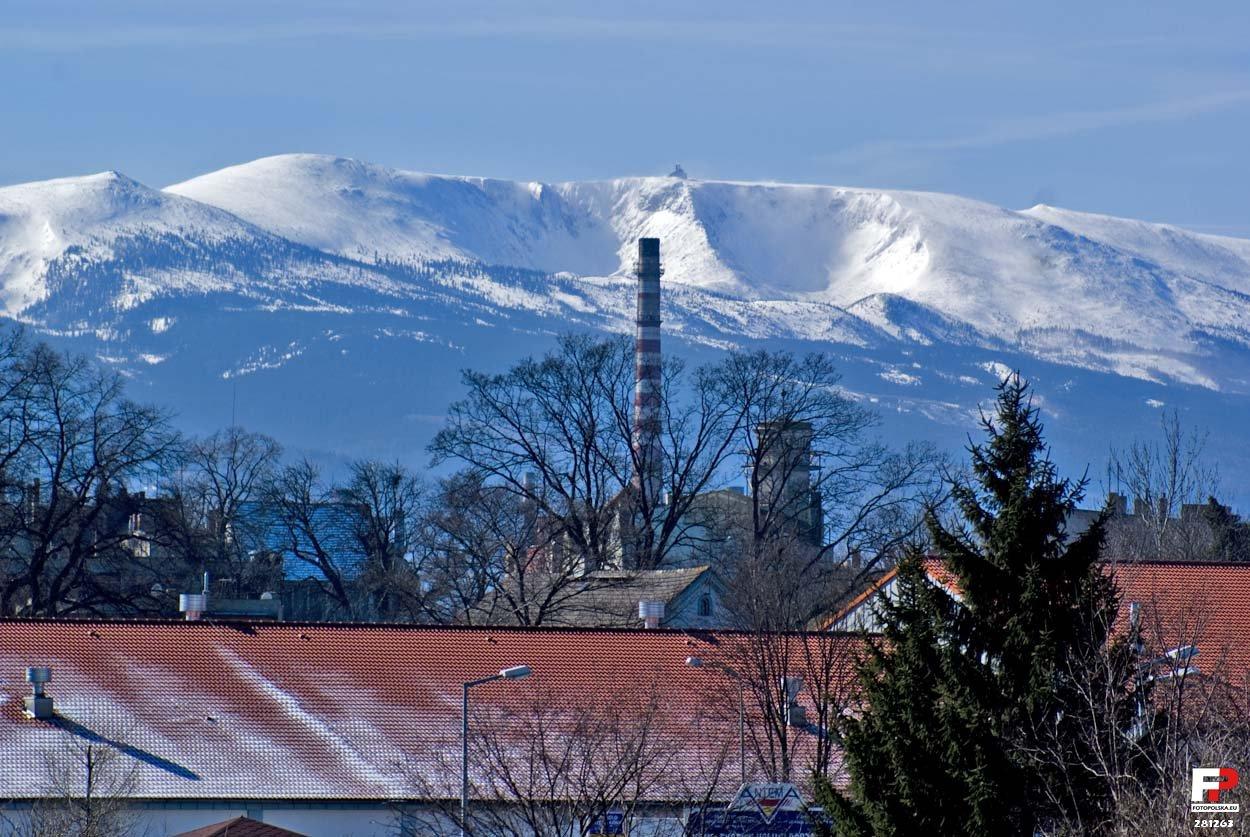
705	605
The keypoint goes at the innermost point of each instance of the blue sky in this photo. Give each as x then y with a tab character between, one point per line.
1139	109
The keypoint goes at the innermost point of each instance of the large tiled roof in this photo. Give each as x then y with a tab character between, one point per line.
1182	603
331	711
240	827
609	598
1192	603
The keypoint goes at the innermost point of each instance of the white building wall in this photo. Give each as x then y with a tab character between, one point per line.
377	821
864	616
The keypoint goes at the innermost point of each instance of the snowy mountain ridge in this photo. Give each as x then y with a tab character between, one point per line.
305	270
1120	290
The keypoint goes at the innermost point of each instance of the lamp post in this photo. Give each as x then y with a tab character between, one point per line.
699	662
513	673
1177	662
1178	668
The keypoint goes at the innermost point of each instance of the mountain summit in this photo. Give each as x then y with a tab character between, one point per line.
311	264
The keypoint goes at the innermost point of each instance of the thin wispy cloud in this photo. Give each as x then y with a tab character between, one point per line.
744	32
905	44
1048	126
922	48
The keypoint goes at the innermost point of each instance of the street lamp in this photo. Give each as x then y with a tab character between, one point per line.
699	662
1177	662
1178	668
513	673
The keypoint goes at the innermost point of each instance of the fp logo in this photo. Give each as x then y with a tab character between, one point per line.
1210	782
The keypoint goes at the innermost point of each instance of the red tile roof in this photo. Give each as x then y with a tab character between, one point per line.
1198	603
240	827
287	711
1190	603
1183	602
938	572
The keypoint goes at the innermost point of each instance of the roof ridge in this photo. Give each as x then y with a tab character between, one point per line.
271	625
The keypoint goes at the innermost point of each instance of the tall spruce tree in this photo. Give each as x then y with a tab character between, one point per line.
976	707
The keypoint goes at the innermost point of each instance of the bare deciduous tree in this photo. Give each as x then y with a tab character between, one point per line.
796	685
1166	479
383	503
552	768
547	432
1182	718
72	444
806	444
553	763
310	526
488	558
212	521
558	434
87	790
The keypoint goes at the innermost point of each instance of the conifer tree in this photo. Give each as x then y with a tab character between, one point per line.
975	699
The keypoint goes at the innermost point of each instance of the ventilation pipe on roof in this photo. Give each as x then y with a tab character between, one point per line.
651	613
795	714
194	605
1134	626
38	705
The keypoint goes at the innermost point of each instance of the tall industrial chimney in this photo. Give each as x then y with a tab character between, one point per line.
647	370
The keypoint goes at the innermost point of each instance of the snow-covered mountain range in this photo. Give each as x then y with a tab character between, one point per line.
332	302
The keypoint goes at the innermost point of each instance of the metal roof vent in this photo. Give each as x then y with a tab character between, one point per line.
194	605
795	713
651	613
38	705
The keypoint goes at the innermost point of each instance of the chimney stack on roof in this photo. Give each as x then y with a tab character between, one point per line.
651	614
197	606
38	705
194	605
647	369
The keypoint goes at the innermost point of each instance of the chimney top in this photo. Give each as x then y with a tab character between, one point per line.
649	248
193	605
651	613
38	705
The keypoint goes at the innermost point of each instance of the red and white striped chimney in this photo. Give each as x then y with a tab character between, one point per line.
647	369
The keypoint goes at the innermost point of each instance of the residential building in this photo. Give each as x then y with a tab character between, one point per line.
335	729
